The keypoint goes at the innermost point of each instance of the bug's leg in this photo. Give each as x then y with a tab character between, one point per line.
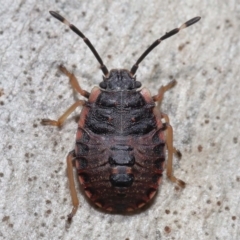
74	82
171	150
61	120
75	201
158	98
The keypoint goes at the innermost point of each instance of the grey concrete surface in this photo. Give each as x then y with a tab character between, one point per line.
203	108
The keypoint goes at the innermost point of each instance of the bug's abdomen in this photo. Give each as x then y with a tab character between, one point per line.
120	173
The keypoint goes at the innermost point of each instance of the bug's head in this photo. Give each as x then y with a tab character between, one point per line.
119	79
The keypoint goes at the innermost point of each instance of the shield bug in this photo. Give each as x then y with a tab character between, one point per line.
122	136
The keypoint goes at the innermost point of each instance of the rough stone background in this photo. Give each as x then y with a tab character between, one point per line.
203	108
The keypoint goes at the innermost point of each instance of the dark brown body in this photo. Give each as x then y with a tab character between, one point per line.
120	143
120	148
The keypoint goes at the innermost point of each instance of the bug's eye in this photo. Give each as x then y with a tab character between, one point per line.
137	84
103	85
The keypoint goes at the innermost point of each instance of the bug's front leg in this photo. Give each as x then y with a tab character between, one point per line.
74	82
75	85
73	192
158	98
62	119
171	150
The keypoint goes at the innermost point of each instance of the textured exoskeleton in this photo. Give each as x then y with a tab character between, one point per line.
122	136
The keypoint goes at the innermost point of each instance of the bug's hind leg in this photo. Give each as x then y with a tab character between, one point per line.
74	82
62	119
158	98
171	150
73	192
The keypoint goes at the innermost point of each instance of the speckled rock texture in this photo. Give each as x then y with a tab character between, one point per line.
203	108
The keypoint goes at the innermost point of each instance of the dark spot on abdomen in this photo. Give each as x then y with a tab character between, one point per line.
83	163
159	163
82	149
121	180
159	149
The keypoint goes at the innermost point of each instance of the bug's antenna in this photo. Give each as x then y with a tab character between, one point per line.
79	33
158	41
